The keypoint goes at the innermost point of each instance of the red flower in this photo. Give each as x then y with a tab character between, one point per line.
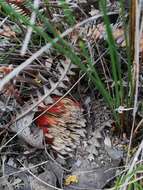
55	122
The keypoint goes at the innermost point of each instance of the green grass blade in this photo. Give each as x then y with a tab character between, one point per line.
116	70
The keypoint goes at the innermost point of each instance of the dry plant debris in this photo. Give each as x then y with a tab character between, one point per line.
33	104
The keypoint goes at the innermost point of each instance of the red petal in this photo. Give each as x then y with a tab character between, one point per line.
46	120
42	121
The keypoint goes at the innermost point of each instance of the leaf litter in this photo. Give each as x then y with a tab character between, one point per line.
59	136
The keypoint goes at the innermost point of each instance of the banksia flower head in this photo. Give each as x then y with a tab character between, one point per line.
63	125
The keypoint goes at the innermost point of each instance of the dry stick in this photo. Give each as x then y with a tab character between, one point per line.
17	70
30	29
136	64
4	20
136	77
103	67
138	126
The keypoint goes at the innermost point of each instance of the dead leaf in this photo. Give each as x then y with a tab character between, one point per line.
114	153
48	177
17	178
30	133
93	144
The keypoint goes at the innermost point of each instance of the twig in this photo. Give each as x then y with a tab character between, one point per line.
3	21
29	29
138	126
136	70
